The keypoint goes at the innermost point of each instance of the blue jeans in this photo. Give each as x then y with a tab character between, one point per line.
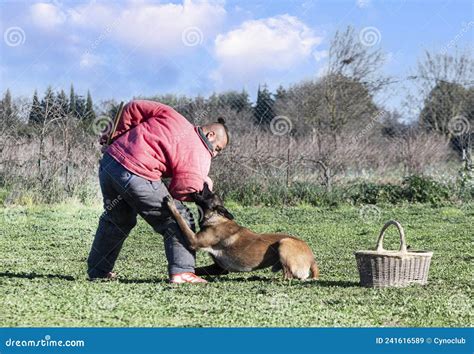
127	195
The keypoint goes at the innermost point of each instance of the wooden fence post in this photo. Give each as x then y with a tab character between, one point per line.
288	161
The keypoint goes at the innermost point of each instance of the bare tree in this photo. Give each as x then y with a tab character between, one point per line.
445	85
335	107
443	81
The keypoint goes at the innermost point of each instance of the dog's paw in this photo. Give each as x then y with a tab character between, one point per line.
169	201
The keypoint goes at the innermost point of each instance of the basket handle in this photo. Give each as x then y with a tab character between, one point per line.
403	244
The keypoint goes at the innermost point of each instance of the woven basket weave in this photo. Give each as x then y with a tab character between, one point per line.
383	268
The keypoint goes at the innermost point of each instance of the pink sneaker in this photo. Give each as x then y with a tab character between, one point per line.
186	278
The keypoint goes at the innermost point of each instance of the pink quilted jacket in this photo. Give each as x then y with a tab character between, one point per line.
152	140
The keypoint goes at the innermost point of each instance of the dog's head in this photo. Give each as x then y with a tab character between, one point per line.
210	204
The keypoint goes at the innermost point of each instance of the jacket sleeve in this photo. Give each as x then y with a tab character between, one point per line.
190	171
136	112
184	184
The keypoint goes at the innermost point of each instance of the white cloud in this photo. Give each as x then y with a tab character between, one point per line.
153	27
271	44
320	55
46	16
89	60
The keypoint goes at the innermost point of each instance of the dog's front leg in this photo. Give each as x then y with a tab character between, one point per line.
183	225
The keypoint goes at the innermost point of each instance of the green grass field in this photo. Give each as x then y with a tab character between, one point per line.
43	252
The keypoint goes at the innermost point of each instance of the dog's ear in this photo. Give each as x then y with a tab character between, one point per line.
224	212
206	190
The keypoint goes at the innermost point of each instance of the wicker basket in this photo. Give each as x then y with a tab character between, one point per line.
382	268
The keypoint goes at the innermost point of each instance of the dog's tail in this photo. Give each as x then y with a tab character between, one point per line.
314	271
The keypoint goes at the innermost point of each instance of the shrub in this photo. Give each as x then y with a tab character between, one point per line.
425	190
372	193
414	189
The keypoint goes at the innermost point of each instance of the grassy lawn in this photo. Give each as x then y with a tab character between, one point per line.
43	252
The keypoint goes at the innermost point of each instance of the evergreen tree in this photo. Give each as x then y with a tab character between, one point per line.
36	113
6	108
244	101
80	109
263	110
89	111
72	102
48	104
237	101
281	94
62	103
281	100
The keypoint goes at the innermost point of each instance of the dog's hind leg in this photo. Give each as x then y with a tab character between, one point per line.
287	273
284	251
314	271
296	260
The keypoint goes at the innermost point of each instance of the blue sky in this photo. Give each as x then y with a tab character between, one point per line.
133	48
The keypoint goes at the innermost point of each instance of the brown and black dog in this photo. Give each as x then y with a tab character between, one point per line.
237	249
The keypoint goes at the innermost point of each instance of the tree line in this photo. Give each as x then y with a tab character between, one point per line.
339	102
52	104
318	131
